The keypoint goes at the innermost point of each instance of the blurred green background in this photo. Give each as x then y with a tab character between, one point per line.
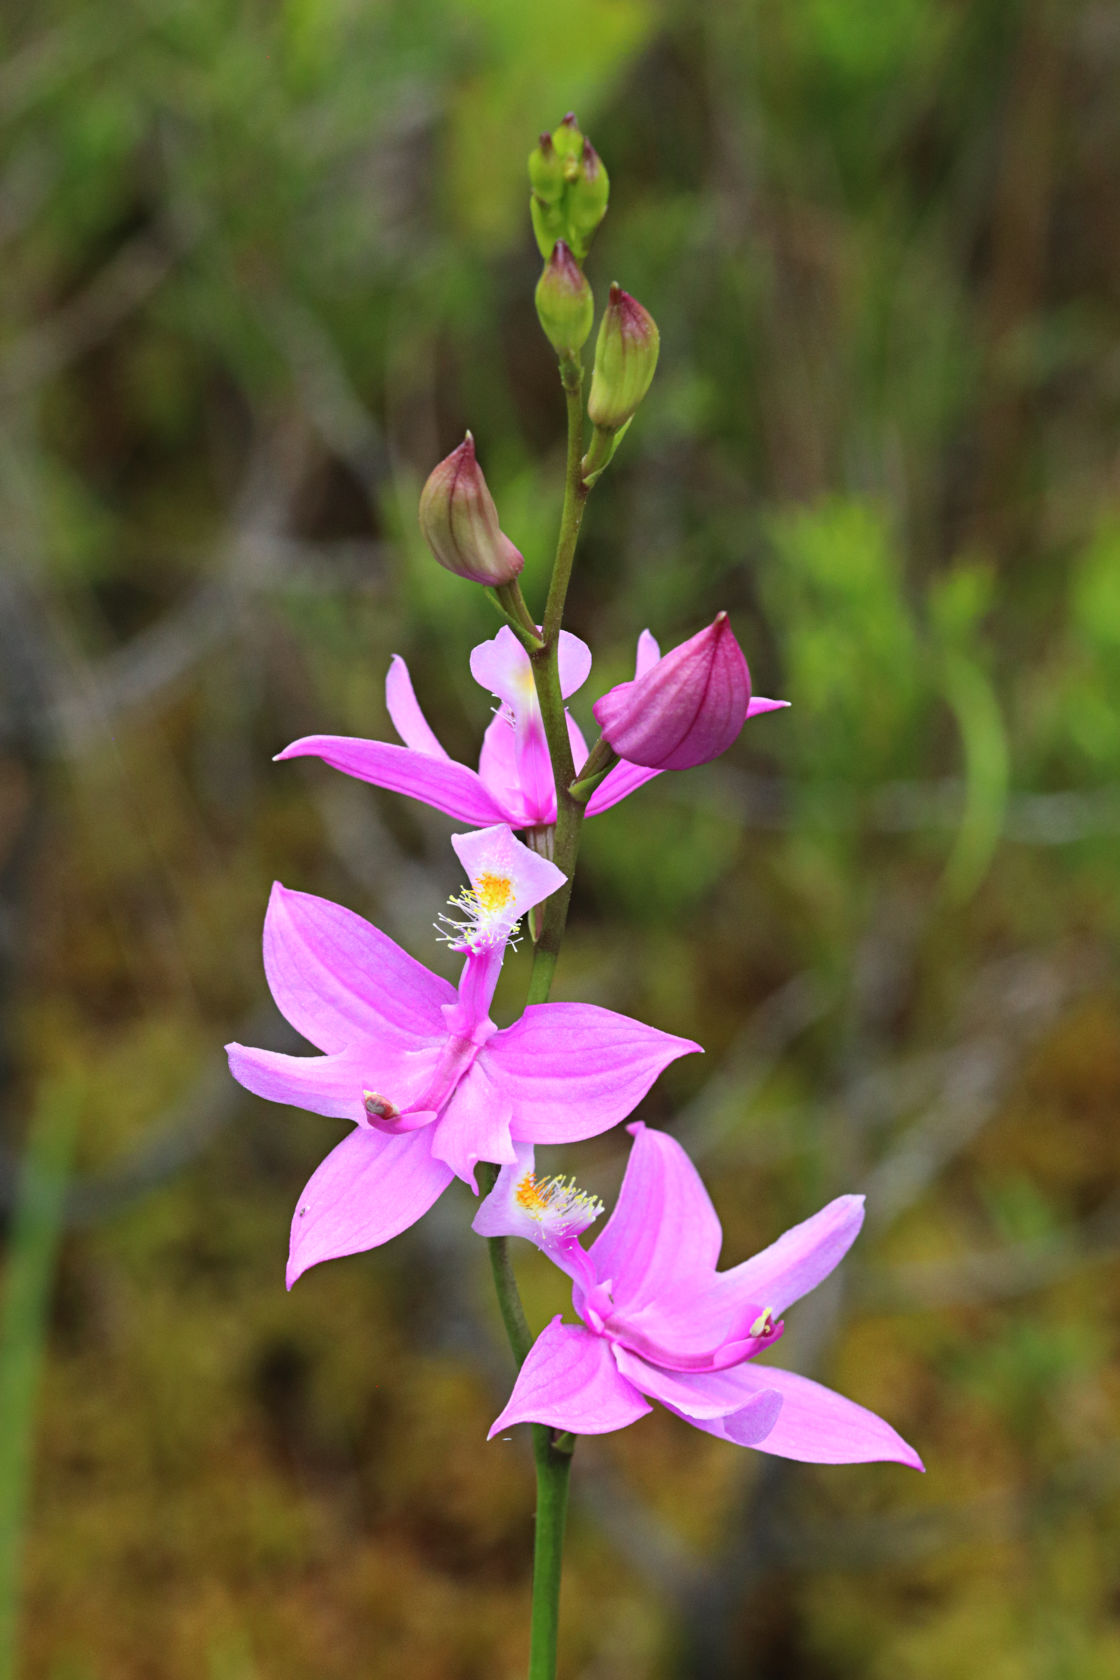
261	266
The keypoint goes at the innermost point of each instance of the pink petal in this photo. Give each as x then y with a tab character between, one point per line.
800	1259
576	741
815	1425
497	766
501	666
617	784
572	1070
663	1225
329	1085
494	859
404	709
748	1421
370	1188
649	652
570	1381
758	705
573	659
551	1214
338	980
689	1323
442	783
473	1127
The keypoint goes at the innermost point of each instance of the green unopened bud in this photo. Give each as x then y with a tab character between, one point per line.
460	522
625	359
587	198
565	306
546	171
570	189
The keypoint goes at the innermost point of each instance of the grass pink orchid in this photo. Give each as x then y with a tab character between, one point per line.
660	1323
514	781
431	1084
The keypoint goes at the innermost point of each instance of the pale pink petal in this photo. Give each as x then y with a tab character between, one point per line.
550	1213
322	1084
572	1070
800	1259
663	1225
404	709
370	1188
498	768
570	1381
573	660
649	652
758	704
440	782
473	1127
617	784
337	979
508	878
815	1425
501	666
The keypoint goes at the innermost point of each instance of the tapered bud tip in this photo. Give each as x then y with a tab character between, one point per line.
686	709
546	143
569	121
592	164
460	522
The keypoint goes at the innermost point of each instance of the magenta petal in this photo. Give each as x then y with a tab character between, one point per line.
474	1127
800	1258
404	709
816	1425
337	979
759	705
663	1226
440	782
329	1085
370	1188
617	784
572	1070
569	1380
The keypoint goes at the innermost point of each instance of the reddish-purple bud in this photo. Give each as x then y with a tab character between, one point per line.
687	709
460	522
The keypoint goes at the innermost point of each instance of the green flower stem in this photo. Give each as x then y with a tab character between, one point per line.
552	1452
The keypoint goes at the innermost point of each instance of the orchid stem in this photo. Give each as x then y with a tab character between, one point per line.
552	1452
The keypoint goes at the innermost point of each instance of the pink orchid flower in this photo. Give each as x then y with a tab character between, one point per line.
431	1084
513	783
659	1322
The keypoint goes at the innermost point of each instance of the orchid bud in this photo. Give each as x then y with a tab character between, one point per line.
686	709
625	358
565	306
460	522
587	198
